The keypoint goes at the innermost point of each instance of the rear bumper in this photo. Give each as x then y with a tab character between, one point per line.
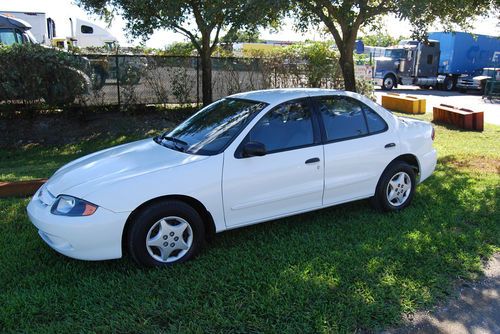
427	165
96	237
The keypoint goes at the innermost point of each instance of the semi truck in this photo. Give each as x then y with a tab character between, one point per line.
57	92
437	62
82	33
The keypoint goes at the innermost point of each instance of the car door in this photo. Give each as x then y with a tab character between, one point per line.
287	179
358	147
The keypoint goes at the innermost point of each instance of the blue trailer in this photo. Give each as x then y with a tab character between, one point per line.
438	62
463	53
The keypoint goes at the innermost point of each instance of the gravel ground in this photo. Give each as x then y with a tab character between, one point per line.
476	310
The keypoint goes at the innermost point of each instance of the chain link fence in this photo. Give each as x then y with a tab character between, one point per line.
131	80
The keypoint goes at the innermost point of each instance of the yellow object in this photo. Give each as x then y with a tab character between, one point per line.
407	104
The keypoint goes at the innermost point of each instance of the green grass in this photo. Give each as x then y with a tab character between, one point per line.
35	161
341	269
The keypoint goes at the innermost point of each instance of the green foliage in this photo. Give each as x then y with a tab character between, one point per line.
179	49
182	85
380	39
241	36
30	72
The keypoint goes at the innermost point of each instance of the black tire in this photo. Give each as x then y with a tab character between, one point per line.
380	200
144	221
389	82
449	84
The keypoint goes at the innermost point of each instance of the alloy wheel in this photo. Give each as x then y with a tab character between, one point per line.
399	189
169	239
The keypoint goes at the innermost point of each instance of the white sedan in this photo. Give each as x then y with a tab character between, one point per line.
245	159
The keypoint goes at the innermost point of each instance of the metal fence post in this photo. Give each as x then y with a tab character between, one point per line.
118	79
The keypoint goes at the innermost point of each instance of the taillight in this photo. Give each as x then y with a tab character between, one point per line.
433	134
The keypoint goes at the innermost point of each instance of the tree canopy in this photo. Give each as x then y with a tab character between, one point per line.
200	21
344	19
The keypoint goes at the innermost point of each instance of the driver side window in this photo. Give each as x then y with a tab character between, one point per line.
285	127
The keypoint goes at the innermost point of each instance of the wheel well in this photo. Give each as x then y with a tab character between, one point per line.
207	218
410	159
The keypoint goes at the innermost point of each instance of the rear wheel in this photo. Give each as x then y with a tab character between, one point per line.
165	233
396	187
449	84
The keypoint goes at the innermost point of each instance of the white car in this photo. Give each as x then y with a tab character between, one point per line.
245	159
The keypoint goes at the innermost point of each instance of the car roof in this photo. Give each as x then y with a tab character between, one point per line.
275	96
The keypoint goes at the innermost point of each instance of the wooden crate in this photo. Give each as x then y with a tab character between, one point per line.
407	104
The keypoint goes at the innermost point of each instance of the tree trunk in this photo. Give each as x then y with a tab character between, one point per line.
206	71
347	65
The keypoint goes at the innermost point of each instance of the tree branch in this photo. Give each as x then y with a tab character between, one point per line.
216	38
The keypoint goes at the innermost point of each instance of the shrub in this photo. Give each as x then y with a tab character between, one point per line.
32	72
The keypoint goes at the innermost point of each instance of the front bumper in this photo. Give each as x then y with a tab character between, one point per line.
96	237
378	81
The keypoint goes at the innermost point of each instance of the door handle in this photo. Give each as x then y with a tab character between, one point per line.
312	160
390	145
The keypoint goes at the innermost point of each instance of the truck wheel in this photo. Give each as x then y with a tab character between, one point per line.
389	82
449	84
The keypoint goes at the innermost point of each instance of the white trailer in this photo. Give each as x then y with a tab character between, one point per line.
83	33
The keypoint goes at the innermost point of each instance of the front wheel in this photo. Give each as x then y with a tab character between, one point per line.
389	82
396	187
166	233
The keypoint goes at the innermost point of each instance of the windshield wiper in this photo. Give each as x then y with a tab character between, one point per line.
175	141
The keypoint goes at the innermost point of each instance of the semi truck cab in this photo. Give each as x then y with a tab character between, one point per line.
409	63
14	31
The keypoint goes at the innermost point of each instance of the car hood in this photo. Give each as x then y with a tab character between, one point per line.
87	174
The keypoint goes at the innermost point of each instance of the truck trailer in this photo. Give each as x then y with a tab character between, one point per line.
82	33
437	62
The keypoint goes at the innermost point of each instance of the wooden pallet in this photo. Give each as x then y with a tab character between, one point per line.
460	117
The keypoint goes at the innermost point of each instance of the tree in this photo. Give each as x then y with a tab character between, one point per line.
201	21
241	36
344	19
179	49
380	39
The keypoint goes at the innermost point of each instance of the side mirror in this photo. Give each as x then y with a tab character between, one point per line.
254	149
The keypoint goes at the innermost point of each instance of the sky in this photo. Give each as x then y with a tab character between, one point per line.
62	10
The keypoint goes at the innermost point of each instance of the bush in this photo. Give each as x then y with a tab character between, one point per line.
32	72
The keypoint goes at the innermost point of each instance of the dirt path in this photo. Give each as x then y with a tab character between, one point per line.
476	310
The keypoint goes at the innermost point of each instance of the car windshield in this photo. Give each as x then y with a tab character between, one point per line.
7	36
211	129
395	53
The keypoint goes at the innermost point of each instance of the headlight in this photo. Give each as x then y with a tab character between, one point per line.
72	206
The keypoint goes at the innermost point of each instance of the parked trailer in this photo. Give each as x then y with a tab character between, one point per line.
83	33
438	63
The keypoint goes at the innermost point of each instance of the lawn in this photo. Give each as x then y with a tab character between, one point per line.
341	269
